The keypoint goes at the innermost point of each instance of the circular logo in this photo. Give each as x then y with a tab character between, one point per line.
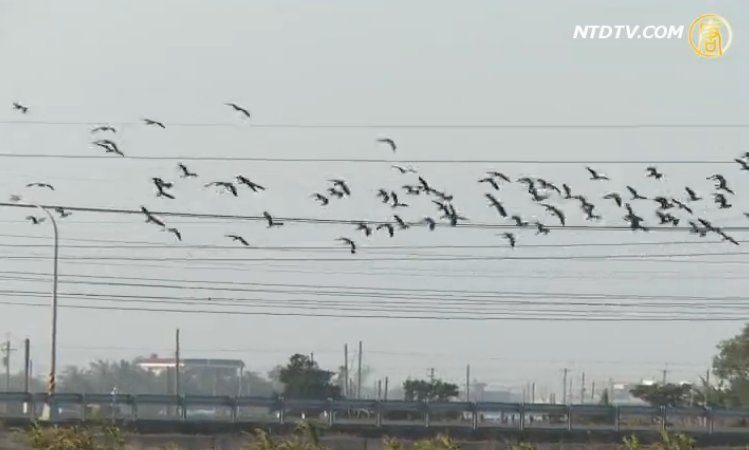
710	35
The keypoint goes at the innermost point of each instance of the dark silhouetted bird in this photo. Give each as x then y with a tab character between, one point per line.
693	197
744	164
228	186
104	128
341	184
541	229
175	232
401	223
430	223
442	206
403	170
653	173
682	205
667	218
720	183
161	183
349	242
160	188
412	190
635	221
365	228
389	142
535	195
555	211
721	201
567	191
635	194
696	229
491	181
336	193
510	238
519	221
425	185
614	196
389	227
528	181
384	195
41	185
321	198
588	209
663	202
496	204
499	175
186	172
35	220
237	238
543	184
396	203
246	181
271	222
728	238
150	218
239	109
443	195
19	107
62	212
154	123
109	146
595	175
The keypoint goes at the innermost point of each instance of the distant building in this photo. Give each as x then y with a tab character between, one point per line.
480	393
157	365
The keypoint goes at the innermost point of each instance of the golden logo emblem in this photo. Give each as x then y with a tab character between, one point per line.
710	35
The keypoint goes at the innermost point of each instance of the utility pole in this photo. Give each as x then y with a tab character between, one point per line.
665	371
6	360
177	364
431	375
358	373
379	389
533	392
564	385
386	389
707	387
345	370
468	383
26	364
593	391
582	389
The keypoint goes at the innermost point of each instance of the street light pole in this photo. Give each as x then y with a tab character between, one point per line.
51	387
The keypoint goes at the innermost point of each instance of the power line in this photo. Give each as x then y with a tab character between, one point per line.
358	160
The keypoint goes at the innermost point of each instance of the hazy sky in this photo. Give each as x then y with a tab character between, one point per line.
378	63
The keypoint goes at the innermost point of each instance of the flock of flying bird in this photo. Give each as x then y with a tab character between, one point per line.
540	190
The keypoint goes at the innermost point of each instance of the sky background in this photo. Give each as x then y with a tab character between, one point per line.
388	65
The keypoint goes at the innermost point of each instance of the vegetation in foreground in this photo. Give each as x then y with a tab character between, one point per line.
305	437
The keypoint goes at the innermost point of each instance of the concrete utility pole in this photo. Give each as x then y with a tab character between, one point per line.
177	364
431	375
468	383
582	389
26	364
665	371
6	360
593	391
345	370
533	392
379	389
358	373
564	385
385	397
707	387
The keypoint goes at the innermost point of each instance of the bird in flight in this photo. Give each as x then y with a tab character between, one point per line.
430	223
109	146
321	198
555	211
425	185
239	109
150	218
535	195
349	242
491	181
104	128
510	238
616	197
412	190
667	218
721	201
693	197
635	194
237	238
499	175
696	229
336	193
663	202
567	191
389	227
720	183
682	206
396	203
594	175
652	172
175	232
403	170
541	229
401	223
41	185
154	123
547	185
389	142
342	186
728	238
635	221
496	204
161	185
185	171
519	221
246	181
62	212
365	228
744	164
228	186
271	222
588	209
384	195
35	220
19	107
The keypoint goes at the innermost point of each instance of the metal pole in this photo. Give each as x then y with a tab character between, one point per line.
176	364
7	365
26	364
468	383
345	371
564	386
386	389
358	374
